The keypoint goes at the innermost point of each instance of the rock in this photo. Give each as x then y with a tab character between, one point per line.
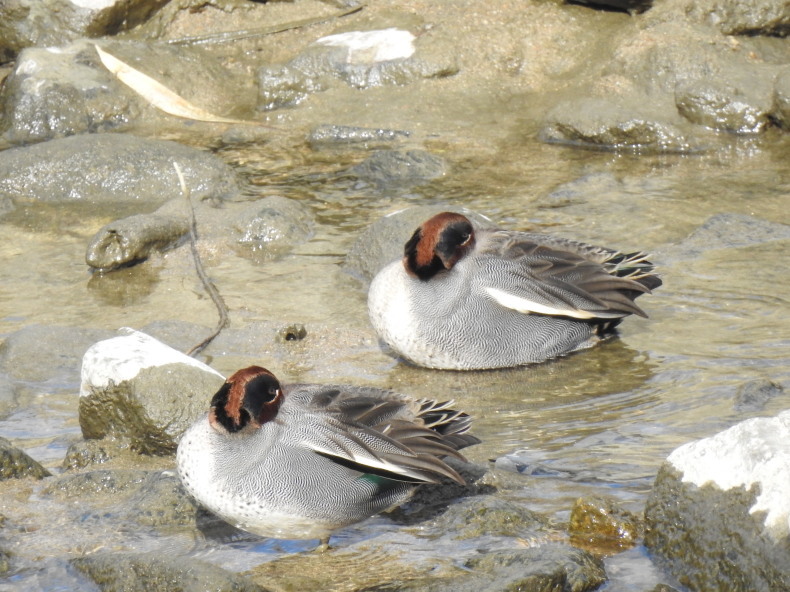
628	5
162	501
333	136
487	515
106	482
16	464
719	515
112	169
394	169
600	523
616	125
157	572
382	242
65	91
782	98
138	389
732	17
131	240
739	101
7	394
728	231
754	395
361	59
47	353
272	227
25	23
90	452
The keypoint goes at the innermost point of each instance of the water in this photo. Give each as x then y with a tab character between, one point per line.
601	421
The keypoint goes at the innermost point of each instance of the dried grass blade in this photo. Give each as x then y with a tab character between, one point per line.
158	94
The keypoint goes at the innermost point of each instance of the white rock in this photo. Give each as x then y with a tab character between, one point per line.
121	358
754	451
366	47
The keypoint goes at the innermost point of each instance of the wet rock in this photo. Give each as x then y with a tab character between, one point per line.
728	231
16	464
272	227
46	353
7	394
112	168
627	5
382	242
131	240
391	169
361	59
138	389
105	482
161	501
26	23
739	101
616	125
157	572
755	395
487	515
782	98
332	136
5	561
747	17
65	91
90	452
601	523
719	515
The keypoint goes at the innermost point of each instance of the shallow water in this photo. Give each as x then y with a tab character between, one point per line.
600	421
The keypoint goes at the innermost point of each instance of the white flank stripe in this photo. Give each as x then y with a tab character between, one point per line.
527	306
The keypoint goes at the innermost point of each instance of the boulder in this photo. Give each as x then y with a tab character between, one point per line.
17	464
718	516
138	389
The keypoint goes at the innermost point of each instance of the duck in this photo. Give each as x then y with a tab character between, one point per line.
300	461
470	298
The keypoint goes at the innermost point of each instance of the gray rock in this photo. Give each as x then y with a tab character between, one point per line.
85	453
46	353
782	98
157	572
107	482
136	388
162	501
733	17
728	231
361	59
394	169
131	240
25	23
112	169
620	124
17	464
719	515
69	91
739	101
7	393
333	136
382	242
272	226
487	515
754	395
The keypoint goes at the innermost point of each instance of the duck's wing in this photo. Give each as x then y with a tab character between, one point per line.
533	273
385	433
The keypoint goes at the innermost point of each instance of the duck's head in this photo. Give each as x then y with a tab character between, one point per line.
438	244
250	397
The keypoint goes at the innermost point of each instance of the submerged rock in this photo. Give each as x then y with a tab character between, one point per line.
17	464
111	169
332	136
754	395
719	513
389	169
600	523
138	389
732	17
157	572
382	242
490	516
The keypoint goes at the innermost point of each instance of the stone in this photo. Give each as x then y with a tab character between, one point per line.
138	389
272	226
112	169
334	136
600	523
17	464
782	98
392	169
733	17
718	516
158	572
754	395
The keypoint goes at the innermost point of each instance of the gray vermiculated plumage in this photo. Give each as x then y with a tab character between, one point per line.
466	298
332	455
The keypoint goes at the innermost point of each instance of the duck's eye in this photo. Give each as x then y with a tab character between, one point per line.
465	237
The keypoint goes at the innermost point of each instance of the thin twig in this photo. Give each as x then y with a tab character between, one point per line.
227	36
222	309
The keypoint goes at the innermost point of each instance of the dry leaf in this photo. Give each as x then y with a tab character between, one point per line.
158	94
